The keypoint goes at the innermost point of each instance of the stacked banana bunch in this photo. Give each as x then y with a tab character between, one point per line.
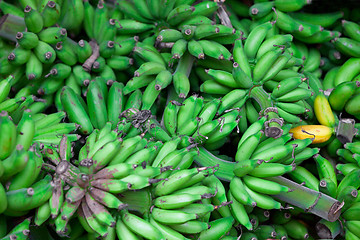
16	105
186	29
21	160
107	168
196	120
118	118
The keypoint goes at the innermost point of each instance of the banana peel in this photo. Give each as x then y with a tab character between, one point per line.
319	133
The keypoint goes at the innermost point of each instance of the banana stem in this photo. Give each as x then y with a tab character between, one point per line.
274	123
185	64
10	25
345	130
328	230
95	54
225	168
309	200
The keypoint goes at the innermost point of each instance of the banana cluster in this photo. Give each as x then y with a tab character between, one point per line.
206	124
118	118
89	190
21	158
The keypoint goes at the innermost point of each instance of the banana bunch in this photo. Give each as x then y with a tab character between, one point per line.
91	188
294	228
102	105
208	123
350	220
181	206
15	106
151	17
43	43
42	14
291	99
305	27
185	29
20	148
257	154
257	64
155	73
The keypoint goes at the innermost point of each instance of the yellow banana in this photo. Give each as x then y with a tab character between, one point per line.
319	133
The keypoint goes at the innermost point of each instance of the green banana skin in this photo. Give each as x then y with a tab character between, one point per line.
29	198
270	142
295	95
101	214
190	227
133	222
301	174
287	85
351	29
351	106
262	200
346	168
239	192
323	19
246	149
218	228
33	20
341	94
264	63
166	230
255	38
171	216
15	163
5	87
7	136
239	212
91	222
175	182
75	110
347	46
278	169
347	71
264	186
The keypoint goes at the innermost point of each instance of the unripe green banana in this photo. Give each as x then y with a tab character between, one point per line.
33	20
7	136
268	44
51	13
352	106
166	230
302	175
239	192
29	198
259	10
75	110
218	228
27	40
45	53
140	226
277	169
341	94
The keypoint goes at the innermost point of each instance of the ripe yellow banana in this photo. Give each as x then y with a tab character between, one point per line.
319	133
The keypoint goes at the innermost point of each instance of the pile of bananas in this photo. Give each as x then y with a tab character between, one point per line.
179	119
